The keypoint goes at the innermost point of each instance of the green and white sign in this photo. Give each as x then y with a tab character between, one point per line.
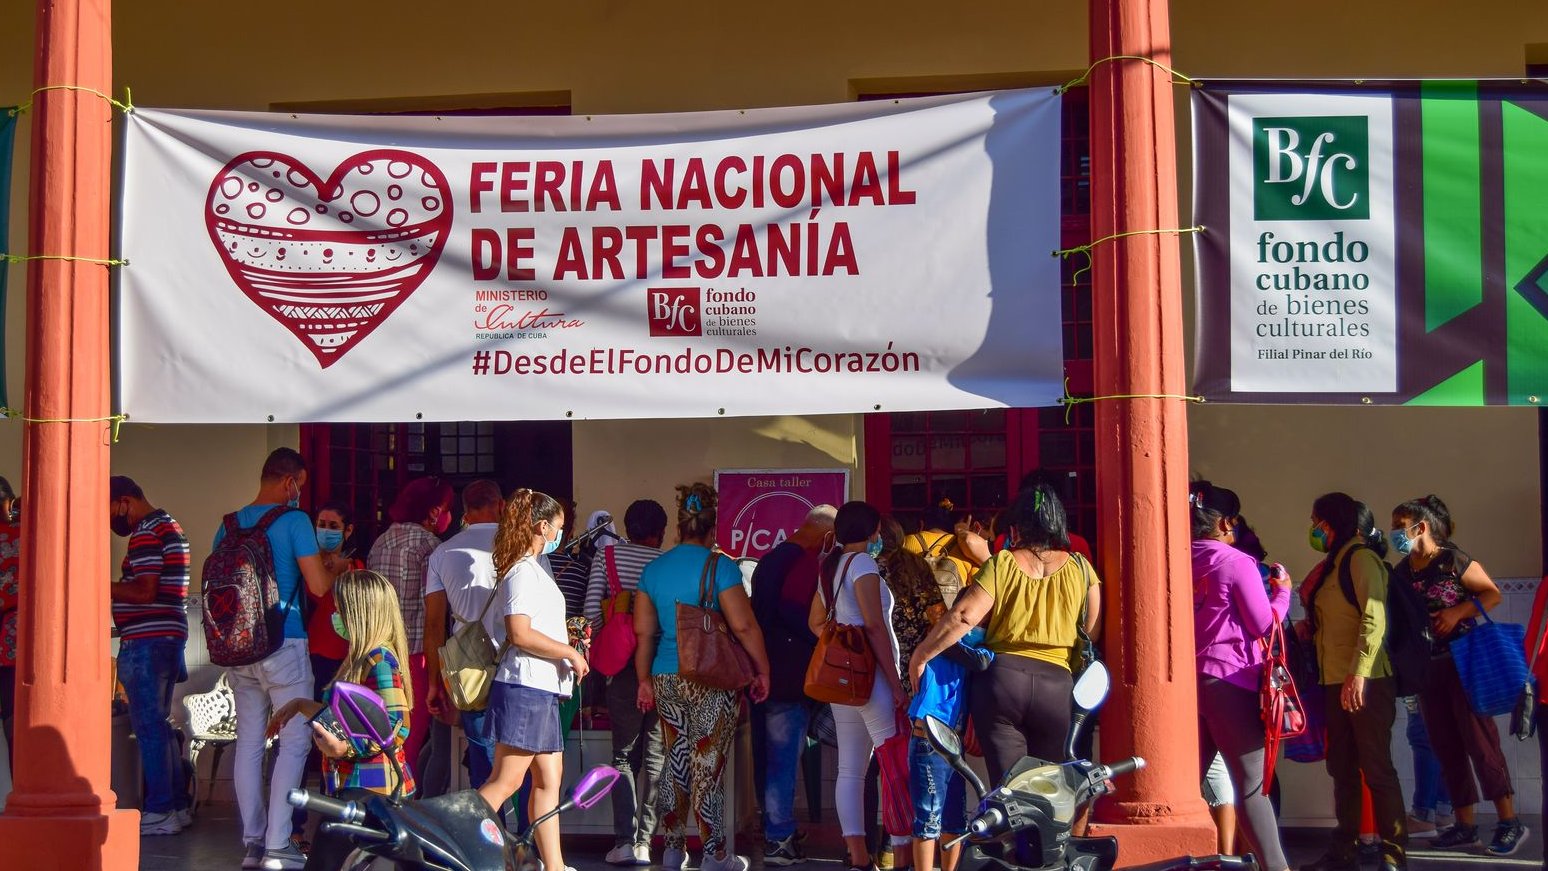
1383	244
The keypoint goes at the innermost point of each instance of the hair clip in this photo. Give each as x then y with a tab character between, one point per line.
946	503
693	504
1195	498
1037	500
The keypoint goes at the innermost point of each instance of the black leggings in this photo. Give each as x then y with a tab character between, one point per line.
1020	707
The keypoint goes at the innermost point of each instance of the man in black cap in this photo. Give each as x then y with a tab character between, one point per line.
150	609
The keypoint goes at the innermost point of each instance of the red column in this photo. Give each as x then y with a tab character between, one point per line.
61	813
1142	444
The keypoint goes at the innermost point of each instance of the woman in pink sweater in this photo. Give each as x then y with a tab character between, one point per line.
1231	615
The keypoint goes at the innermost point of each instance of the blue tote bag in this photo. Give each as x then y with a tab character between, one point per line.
1491	660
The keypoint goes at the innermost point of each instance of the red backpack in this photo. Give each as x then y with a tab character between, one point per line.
243	620
1283	715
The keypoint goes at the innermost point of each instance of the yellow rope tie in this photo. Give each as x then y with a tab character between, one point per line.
27	258
1179	78
116	420
126	105
1064	253
1069	402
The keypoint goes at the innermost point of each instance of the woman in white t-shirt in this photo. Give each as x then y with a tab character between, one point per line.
538	666
864	600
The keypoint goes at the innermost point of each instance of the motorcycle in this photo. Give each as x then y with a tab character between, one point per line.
454	832
1025	823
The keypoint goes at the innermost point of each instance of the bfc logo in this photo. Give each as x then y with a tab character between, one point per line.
673	311
1313	168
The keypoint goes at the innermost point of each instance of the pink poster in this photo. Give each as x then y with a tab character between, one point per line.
759	508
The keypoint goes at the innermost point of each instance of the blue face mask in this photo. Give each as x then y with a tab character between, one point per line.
874	548
338	626
1400	541
550	545
330	540
294	501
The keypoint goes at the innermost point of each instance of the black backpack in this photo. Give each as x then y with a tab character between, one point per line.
1408	626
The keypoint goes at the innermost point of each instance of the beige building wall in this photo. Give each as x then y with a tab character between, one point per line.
612	56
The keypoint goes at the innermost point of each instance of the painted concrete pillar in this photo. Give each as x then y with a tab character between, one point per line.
61	812
1142	444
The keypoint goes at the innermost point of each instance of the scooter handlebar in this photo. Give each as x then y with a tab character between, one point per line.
329	808
1126	766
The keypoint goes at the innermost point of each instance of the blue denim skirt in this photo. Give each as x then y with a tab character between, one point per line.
524	718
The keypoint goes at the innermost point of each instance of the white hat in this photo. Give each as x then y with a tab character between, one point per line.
602	518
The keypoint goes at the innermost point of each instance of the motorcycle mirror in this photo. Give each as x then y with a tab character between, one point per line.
1092	688
361	713
943	738
596	784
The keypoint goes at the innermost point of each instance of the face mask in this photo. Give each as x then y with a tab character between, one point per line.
1318	537
330	540
338	626
294	501
120	525
874	548
550	545
1400	541
443	523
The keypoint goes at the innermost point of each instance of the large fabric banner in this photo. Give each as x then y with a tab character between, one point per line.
859	257
1381	244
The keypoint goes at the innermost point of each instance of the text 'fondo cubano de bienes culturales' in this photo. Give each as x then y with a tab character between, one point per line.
803	185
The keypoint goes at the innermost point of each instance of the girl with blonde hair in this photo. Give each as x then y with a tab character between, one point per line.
370	619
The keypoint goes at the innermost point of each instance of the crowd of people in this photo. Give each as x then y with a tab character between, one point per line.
984	627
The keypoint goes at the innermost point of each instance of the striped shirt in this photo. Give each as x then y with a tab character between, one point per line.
369	768
570	571
156	547
631	560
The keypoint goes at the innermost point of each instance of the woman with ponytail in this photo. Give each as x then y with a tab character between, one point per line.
538	667
1231	614
1454	588
697	721
1356	677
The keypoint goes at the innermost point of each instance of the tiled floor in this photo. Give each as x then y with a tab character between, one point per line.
214	843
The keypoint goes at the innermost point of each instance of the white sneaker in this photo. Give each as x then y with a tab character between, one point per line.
184	817
730	863
628	854
673	859
286	858
254	857
159	824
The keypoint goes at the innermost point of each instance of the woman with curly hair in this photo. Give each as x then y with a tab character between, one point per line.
697	722
538	667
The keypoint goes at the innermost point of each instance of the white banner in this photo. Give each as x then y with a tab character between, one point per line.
887	256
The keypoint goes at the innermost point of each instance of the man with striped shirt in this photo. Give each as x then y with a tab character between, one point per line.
150	609
637	748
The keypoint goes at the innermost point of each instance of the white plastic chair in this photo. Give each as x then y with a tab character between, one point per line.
211	721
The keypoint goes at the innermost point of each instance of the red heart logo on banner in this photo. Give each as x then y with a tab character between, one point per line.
330	259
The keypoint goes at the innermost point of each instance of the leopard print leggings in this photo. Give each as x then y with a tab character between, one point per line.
697	724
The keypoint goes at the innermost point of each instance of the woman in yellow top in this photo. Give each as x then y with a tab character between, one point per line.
1033	595
1356	677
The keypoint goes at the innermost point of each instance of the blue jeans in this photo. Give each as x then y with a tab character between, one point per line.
939	793
149	669
785	723
481	748
1429	786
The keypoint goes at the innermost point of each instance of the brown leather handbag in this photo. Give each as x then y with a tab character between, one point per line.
707	653
842	669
